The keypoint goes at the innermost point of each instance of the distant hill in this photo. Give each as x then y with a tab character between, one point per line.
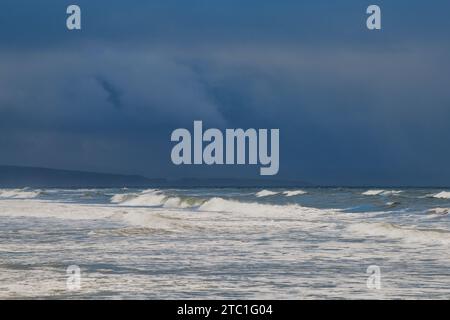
230	182
19	177
33	177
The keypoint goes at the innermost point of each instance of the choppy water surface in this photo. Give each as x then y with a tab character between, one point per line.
225	243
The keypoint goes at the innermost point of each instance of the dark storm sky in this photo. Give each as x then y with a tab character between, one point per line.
354	107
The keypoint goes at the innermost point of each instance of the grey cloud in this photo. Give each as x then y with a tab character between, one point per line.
368	111
113	93
43	89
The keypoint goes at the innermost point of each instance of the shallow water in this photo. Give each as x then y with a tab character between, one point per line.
225	243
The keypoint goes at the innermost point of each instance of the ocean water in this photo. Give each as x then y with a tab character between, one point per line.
309	243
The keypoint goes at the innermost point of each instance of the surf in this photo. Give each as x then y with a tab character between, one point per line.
19	193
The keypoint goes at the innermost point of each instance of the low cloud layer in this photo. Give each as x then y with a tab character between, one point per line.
349	112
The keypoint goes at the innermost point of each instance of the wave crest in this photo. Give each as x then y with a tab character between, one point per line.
407	234
291	193
266	193
381	192
441	195
155	198
259	209
19	193
150	197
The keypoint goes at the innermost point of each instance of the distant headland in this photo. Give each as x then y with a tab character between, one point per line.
36	177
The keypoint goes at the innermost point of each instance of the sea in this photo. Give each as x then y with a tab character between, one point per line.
225	243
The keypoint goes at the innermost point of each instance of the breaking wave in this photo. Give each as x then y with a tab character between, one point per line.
287	193
155	198
253	208
381	192
158	199
150	197
291	193
441	195
19	194
266	193
407	234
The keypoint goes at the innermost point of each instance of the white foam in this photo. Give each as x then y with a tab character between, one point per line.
122	197
176	203
49	209
372	192
291	193
223	205
161	221
381	192
391	192
154	198
19	193
266	193
150	197
406	234
441	195
258	209
215	231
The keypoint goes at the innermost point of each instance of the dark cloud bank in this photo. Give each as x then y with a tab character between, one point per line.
353	107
